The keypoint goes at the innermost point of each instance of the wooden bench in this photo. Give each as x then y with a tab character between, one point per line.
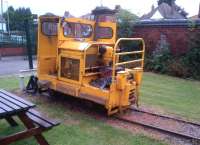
40	120
35	123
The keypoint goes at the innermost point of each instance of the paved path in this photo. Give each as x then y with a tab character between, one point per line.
12	65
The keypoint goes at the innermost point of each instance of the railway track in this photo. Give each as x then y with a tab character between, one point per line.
166	124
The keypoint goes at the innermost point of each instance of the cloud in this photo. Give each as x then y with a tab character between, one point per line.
80	7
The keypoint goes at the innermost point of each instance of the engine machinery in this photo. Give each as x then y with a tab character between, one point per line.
82	57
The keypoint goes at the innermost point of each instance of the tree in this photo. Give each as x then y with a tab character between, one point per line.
11	14
169	2
125	21
17	18
18	21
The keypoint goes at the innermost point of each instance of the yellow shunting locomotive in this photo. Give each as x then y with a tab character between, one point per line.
83	58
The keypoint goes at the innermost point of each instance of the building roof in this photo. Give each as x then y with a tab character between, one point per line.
168	23
163	11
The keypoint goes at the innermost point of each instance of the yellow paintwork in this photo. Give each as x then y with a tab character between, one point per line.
44	58
52	48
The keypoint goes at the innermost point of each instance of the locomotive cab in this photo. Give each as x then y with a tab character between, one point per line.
83	58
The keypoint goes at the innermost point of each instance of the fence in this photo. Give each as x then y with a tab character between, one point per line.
14	43
12	39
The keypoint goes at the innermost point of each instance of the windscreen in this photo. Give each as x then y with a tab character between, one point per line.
77	30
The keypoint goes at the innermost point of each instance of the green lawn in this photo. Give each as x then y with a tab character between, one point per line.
173	95
76	128
85	131
9	83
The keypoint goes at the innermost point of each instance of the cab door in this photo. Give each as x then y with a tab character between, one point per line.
47	46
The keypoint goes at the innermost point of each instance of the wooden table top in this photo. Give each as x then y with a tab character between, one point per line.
11	104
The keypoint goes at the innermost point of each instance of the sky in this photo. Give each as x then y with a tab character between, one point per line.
81	7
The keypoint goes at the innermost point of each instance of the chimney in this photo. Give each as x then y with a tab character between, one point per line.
173	7
152	8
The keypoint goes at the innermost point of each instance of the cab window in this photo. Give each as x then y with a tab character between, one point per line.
104	33
50	28
77	30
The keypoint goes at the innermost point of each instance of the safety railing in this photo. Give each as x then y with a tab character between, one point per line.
115	54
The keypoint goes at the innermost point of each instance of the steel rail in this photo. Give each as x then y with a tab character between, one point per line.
148	125
165	116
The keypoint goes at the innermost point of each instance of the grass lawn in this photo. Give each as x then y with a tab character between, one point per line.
9	82
173	95
76	128
83	131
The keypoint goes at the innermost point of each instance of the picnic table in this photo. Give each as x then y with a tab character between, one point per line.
12	105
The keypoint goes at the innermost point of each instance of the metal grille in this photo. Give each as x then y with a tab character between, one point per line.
70	68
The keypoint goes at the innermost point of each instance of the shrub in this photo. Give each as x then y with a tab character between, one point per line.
192	61
186	66
178	68
192	57
160	58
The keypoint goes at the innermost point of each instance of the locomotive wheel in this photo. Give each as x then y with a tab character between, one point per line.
52	93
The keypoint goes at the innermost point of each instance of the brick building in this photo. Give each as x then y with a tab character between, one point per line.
176	33
169	23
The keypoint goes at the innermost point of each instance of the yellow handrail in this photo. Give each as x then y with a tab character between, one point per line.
126	53
127	62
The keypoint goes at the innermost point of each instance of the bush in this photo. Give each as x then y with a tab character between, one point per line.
166	63
158	63
178	68
159	60
192	57
186	66
192	61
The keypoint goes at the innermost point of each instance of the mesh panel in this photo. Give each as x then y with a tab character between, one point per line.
70	68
